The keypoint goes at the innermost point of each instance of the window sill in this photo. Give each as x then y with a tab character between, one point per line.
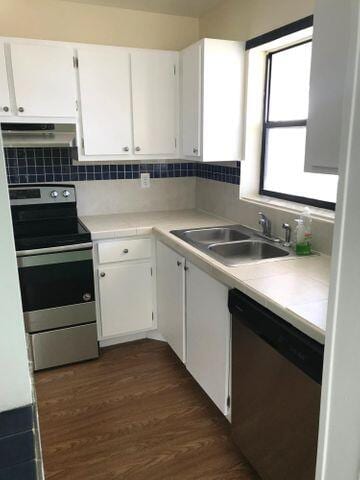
287	206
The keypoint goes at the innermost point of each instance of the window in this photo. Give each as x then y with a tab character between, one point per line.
284	132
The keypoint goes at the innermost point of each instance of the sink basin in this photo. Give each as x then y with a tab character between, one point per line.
215	235
232	245
241	252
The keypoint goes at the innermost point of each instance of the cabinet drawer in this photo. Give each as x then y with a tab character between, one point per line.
122	250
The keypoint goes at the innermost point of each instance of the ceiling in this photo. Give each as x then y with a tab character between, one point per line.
188	8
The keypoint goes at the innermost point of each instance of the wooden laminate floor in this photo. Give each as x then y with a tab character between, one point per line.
134	414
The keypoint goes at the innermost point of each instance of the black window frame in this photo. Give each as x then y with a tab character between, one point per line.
267	125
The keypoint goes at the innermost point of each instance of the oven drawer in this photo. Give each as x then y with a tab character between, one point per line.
59	317
121	250
66	345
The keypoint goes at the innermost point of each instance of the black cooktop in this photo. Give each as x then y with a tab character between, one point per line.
50	234
41	220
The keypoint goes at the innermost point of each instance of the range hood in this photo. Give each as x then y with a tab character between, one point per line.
38	135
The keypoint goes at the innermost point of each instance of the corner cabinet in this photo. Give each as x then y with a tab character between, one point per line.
333	65
212	100
194	319
170	277
124	288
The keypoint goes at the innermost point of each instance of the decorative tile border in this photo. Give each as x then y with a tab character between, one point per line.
36	165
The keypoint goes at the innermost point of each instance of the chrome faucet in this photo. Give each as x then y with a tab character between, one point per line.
287	229
265	223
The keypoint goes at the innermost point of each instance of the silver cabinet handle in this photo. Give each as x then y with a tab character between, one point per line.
21	109
6	109
126	250
102	274
195	150
137	149
179	263
126	149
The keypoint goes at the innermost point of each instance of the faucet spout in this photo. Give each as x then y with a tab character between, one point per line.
265	224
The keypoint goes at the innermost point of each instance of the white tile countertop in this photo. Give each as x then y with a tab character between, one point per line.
296	289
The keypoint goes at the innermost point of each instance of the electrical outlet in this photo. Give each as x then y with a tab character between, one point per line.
145	180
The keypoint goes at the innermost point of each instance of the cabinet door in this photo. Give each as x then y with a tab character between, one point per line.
331	65
104	79
208	334
191	79
154	90
4	86
44	80
170	277
223	96
125	298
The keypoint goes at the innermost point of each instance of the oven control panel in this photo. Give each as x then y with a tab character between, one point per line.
41	194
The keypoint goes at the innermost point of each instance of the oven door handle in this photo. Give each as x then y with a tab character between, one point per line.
61	248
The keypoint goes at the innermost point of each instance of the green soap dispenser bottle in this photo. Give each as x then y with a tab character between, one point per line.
303	233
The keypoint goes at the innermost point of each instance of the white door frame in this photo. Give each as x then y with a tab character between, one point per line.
339	436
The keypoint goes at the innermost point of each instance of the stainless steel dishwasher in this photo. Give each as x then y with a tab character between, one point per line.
276	386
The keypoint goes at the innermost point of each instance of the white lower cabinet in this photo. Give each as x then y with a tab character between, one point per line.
194	319
208	334
170	275
125	287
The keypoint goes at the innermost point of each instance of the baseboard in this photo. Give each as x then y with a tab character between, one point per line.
153	334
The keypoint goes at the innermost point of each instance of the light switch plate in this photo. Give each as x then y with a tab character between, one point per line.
145	180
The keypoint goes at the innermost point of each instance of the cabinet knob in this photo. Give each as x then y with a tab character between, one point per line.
195	150
137	149
21	109
178	263
6	109
102	274
126	250
186	268
126	149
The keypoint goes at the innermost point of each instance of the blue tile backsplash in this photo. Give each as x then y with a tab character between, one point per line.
33	165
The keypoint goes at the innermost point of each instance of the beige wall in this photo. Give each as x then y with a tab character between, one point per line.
244	19
67	21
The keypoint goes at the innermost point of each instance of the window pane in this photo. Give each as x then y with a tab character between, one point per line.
289	85
284	167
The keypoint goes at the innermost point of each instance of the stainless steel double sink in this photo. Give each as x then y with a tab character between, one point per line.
233	245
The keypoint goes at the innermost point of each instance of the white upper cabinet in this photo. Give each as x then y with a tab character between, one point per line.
155	94
44	80
191	100
104	81
5	109
212	82
331	67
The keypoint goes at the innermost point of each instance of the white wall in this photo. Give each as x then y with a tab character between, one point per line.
244	19
15	386
339	437
75	22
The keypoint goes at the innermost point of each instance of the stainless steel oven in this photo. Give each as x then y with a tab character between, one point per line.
54	252
57	288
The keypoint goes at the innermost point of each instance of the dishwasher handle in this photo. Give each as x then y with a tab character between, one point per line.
295	346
